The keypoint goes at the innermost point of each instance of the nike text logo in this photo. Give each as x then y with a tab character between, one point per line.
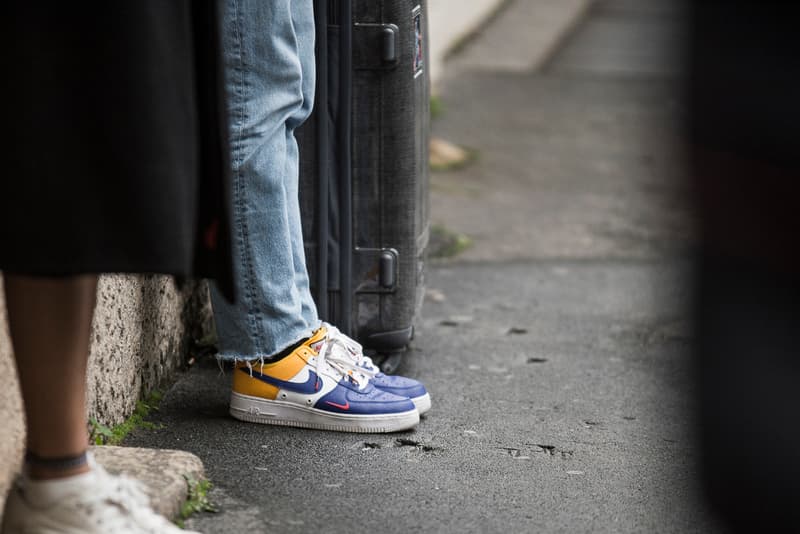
308	387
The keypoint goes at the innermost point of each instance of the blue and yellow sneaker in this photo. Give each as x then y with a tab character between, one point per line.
397	385
317	386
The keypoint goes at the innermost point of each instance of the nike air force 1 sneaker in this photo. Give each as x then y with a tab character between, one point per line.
397	385
317	386
90	503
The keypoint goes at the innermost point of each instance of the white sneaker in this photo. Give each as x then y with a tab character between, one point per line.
317	385
91	503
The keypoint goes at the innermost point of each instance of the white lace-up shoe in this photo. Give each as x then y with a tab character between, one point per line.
91	503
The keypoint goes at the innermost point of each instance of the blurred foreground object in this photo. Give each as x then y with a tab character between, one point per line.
743	89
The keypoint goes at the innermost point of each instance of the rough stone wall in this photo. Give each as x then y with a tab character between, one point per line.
13	432
142	329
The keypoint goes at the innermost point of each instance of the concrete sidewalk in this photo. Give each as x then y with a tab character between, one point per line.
554	349
452	24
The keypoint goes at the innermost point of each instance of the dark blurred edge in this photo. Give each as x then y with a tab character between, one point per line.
743	126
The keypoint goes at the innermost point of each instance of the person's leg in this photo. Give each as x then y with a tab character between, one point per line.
265	91
50	323
272	332
269	61
61	489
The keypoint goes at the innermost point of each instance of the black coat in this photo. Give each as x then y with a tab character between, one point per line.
115	157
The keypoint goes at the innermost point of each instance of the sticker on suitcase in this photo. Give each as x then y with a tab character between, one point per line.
419	51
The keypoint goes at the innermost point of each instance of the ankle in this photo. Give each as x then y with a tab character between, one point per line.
41	468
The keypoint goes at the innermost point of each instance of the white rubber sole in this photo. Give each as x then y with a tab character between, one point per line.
422	403
274	412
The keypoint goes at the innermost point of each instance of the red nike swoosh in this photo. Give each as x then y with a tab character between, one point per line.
341	406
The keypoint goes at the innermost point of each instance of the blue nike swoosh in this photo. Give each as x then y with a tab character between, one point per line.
308	387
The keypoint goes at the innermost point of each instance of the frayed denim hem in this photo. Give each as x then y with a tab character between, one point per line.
230	357
236	358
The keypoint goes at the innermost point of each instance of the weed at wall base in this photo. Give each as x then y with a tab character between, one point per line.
100	434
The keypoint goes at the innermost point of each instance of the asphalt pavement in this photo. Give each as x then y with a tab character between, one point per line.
555	348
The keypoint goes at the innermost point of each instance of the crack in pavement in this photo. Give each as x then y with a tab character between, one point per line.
405	442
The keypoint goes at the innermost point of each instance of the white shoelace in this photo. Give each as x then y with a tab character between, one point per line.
345	356
355	349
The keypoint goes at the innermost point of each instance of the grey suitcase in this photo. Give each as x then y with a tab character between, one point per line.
364	170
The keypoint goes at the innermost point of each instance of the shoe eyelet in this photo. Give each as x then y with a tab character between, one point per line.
309	401
283	395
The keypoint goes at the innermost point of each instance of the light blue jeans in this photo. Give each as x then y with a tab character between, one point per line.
269	69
